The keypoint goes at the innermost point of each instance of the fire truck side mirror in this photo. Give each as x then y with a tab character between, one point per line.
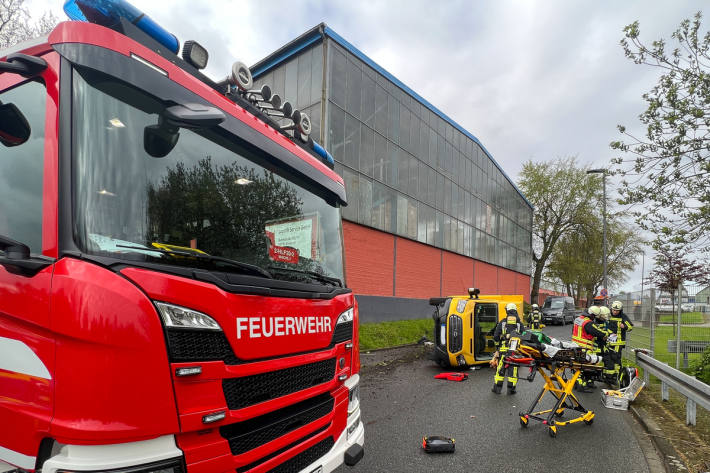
160	139
14	128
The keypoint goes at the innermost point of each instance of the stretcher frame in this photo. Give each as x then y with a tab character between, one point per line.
557	385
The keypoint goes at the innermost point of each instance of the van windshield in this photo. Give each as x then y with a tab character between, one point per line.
209	203
554	304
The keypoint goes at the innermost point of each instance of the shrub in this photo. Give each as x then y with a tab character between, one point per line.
701	368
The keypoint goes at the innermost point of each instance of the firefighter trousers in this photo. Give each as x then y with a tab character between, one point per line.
511	372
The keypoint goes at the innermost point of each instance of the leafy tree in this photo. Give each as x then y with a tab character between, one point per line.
672	268
16	24
562	196
205	203
667	170
577	260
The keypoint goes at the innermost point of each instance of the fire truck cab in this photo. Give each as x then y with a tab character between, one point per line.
464	325
172	291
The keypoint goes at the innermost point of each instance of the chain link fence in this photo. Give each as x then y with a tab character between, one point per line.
657	326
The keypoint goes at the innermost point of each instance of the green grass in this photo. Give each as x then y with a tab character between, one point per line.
640	337
390	334
685	318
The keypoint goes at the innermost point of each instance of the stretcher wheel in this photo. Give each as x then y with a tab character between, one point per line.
552	430
523	422
560	413
589	421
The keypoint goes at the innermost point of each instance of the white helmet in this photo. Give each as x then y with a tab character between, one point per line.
535	306
616	305
594	310
511	306
604	312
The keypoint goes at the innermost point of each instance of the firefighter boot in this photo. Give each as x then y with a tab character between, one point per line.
511	388
497	388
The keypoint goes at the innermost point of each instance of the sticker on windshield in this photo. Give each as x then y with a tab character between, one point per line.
293	237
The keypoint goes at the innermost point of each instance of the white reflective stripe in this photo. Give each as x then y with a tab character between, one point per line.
18	459
17	357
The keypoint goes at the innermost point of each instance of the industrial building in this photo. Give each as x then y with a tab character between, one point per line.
430	211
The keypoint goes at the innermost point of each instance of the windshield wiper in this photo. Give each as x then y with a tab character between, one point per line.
205	257
320	277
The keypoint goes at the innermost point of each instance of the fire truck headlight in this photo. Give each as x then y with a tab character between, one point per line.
181	317
346	316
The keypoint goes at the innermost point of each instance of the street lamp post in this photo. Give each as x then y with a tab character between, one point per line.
603	173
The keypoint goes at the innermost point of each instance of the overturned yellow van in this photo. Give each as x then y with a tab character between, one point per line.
464	325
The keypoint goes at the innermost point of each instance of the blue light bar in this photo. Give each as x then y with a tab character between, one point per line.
320	151
108	13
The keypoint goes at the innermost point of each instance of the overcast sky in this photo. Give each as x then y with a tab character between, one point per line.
532	80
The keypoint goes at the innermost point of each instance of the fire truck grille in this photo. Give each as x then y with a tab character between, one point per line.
250	390
326	441
342	332
199	345
455	333
305	458
253	433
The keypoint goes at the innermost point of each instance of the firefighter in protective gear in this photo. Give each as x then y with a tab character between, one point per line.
588	335
535	318
503	331
618	324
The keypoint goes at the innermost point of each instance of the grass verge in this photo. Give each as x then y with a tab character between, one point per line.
685	318
640	337
390	334
692	443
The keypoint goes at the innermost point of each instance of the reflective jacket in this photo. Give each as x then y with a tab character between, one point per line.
584	332
535	317
505	328
620	324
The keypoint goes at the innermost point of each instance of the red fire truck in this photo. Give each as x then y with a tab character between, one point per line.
172	293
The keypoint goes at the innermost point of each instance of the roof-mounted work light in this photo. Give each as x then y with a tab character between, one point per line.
109	13
195	54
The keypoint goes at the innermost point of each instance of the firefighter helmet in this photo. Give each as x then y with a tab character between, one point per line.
604	312
535	307
616	305
594	310
511	306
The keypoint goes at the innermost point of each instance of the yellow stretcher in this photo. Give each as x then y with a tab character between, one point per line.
557	382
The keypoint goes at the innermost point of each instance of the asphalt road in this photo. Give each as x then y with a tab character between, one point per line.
402	402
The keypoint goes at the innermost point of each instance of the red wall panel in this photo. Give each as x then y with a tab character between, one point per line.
369	260
418	270
370	268
506	281
457	274
485	277
522	285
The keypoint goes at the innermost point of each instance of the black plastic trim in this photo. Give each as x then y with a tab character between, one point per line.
240	283
26	267
253	433
354	454
328	442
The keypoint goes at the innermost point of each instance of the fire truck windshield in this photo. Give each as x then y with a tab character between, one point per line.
210	202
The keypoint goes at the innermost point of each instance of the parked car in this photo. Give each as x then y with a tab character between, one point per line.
558	310
687	307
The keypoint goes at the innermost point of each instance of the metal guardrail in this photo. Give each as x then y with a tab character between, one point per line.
696	392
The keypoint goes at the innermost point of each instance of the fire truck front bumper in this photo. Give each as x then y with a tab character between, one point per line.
348	449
